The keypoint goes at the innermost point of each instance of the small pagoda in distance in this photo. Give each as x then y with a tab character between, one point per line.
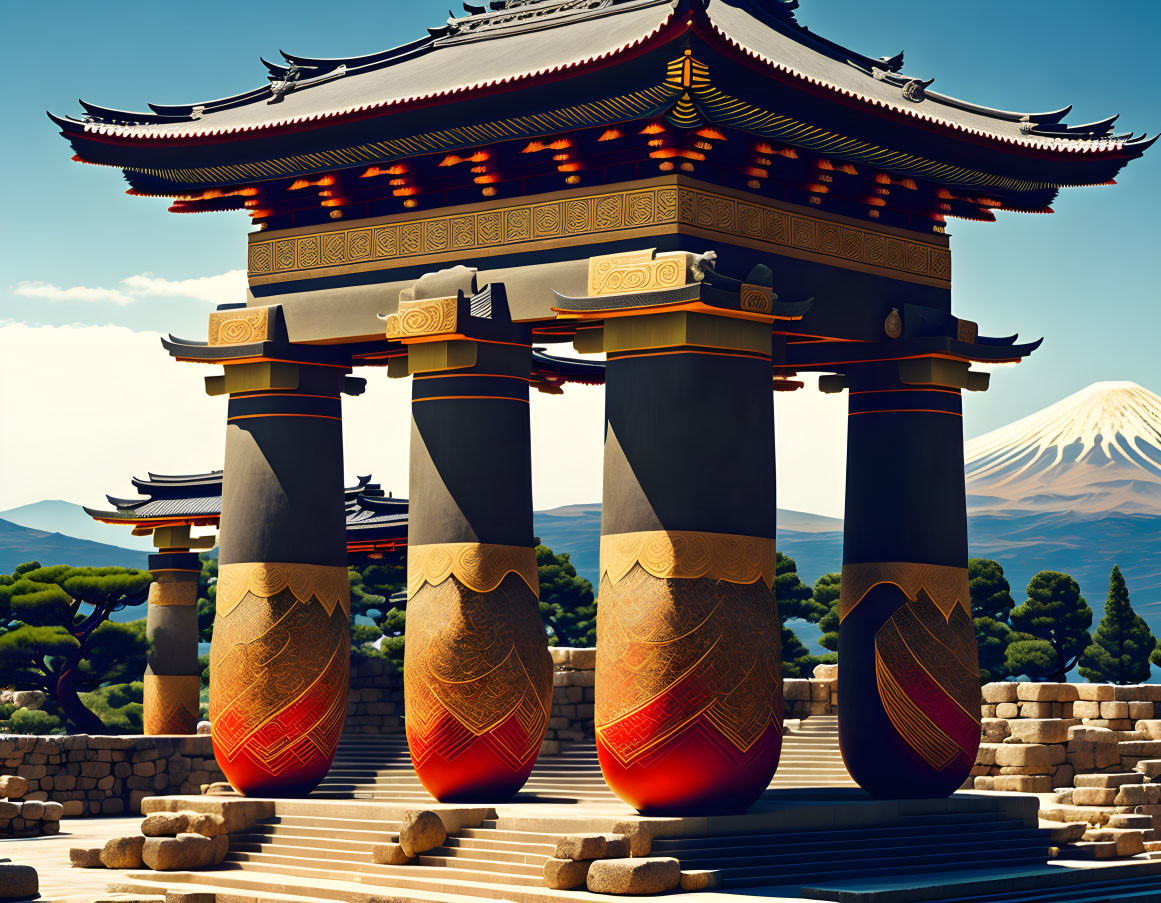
716	199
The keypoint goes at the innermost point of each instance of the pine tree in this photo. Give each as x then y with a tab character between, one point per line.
795	599
992	604
1056	619
826	592
567	606
1122	644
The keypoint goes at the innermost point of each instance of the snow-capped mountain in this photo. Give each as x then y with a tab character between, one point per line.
1095	452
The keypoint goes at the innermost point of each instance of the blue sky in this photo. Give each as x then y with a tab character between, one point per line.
1087	277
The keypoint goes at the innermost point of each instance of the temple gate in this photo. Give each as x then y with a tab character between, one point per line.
718	200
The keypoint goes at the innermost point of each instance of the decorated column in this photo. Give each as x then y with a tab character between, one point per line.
909	691
689	691
173	683
280	655
477	674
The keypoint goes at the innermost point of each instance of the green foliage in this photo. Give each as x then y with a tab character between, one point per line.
119	706
56	635
207	596
34	721
795	599
1057	614
991	598
992	639
826	592
204	668
567	606
1122	644
990	591
374	611
1029	656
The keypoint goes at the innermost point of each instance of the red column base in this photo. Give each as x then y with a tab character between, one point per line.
697	772
455	765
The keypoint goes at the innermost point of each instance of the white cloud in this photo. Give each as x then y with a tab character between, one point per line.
91	406
48	292
220	289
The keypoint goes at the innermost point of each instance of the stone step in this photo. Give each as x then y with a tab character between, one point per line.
403	876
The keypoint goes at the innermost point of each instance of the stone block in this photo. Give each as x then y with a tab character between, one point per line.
1060	833
208	824
1046	692
1028	755
1094	796
1129	842
1151	768
1109	780
701	879
826	672
1139	710
421	830
1138	795
86	857
1039	730
1006	710
32	810
1114	709
1127	820
1090	850
583	659
1039	710
1137	693
559	656
634	877
390	854
19	881
1145	749
1149	729
1003	691
185	851
123	852
165	824
13	786
581	846
995	730
986	755
1021	783
566	874
795	689
1086	709
221	847
1094	692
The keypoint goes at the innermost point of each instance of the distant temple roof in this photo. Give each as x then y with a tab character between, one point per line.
376	521
519	69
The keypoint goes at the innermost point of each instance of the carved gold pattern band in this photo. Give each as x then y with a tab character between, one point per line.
174	592
479	566
326	583
947	586
171	703
687	555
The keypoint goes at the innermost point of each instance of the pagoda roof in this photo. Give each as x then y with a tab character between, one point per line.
375	520
558	52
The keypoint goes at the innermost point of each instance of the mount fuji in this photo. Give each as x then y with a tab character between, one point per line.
1096	452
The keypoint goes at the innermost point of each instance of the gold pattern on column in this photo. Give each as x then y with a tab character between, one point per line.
166	592
240	326
480	567
431	316
637	271
689	554
947	586
172	703
328	584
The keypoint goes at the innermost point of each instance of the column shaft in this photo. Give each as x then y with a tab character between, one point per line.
689	699
908	665
172	696
280	656
477	674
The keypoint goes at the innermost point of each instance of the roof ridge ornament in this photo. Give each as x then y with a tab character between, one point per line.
291	79
915	90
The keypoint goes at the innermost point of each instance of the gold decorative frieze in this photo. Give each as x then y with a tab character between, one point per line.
636	271
687	555
330	585
479	566
240	326
659	207
429	317
946	586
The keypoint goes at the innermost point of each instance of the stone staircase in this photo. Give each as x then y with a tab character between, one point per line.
379	768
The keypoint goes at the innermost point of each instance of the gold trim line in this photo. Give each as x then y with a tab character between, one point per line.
329	584
687	555
947	586
479	566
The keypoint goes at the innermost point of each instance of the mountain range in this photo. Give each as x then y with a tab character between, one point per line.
1075	487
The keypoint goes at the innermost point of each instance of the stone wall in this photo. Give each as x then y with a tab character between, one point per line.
93	775
375	699
1039	736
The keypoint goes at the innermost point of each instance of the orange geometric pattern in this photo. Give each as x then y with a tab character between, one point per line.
688	680
477	682
279	670
946	586
172	703
927	672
